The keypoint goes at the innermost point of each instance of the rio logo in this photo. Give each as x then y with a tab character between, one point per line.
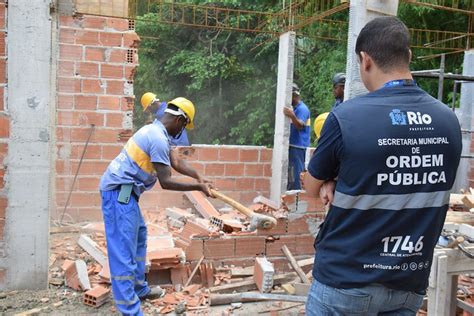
409	118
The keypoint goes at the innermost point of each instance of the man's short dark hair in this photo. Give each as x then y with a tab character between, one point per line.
387	41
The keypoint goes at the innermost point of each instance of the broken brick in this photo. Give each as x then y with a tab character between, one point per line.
97	296
202	205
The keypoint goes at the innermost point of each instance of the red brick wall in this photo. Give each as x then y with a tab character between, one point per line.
4	120
242	172
96	62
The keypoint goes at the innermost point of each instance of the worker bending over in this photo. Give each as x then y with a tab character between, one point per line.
388	205
146	158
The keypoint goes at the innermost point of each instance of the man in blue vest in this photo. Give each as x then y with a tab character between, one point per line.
146	158
153	107
338	83
299	138
385	162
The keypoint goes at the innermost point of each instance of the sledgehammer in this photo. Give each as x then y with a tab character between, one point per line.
256	220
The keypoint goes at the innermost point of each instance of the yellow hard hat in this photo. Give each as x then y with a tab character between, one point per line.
319	123
187	107
147	99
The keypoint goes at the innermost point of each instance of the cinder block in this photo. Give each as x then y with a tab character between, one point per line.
263	274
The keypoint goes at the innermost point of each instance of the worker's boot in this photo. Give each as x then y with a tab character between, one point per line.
155	292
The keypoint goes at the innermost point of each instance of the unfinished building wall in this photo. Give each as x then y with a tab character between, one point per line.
242	172
4	133
96	63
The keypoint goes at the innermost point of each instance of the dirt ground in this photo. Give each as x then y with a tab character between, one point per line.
61	300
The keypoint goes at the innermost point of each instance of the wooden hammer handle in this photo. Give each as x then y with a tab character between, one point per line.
247	212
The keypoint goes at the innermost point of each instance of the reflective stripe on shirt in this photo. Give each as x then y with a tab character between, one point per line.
391	201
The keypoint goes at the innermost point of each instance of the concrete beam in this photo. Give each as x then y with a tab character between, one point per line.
361	12
465	119
29	152
282	123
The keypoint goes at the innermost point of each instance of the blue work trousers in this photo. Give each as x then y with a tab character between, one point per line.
296	159
125	232
371	300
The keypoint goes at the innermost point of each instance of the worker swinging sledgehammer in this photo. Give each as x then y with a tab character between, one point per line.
146	158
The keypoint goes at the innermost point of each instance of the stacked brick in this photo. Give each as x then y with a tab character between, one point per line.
296	230
4	126
96	63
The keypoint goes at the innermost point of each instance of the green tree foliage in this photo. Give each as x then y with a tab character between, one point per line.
231	76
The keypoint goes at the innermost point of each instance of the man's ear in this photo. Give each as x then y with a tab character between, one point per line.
365	61
411	56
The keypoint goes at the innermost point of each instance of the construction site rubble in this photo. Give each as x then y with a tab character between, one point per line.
194	255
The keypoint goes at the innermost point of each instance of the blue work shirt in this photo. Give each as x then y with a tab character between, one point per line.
134	164
182	140
299	138
337	102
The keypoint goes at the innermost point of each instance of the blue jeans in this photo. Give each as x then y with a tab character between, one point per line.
126	233
374	299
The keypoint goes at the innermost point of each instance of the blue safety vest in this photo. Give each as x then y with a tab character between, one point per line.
401	152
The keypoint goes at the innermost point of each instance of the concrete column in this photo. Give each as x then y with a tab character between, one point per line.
360	13
29	158
465	119
282	123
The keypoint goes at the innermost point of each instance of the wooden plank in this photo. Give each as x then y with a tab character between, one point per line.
194	271
223	299
468	201
294	264
249	285
465	306
301	289
305	262
460	217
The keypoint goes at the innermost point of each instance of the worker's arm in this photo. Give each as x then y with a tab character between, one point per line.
184	168
167	183
324	164
299	124
321	188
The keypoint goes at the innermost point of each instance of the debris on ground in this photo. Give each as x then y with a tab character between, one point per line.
195	282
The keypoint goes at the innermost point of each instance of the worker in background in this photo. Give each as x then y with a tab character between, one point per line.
319	123
338	83
146	158
299	138
153	109
394	152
